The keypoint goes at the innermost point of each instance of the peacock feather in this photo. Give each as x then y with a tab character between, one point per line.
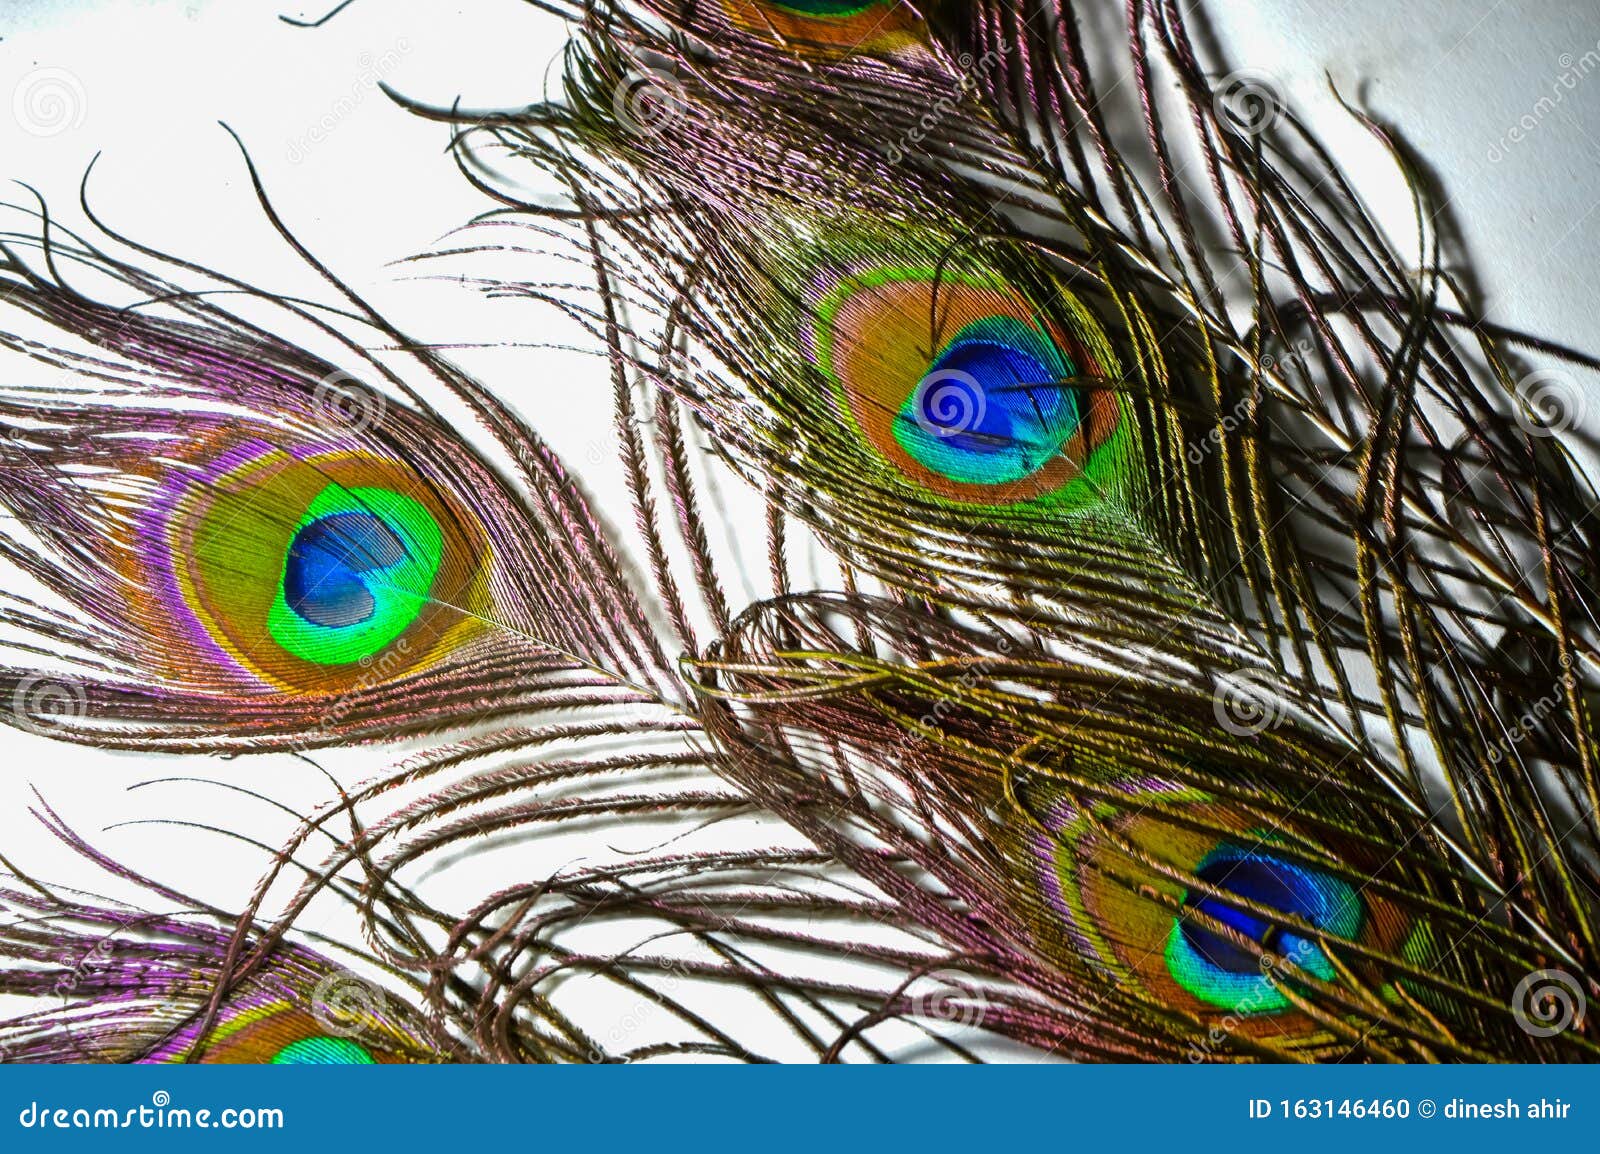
1201	664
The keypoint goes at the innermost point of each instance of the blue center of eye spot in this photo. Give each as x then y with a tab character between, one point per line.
1218	970
993	406
324	579
1299	891
1261	881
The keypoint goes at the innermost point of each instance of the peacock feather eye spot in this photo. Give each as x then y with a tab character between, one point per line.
328	559
298	567
267	1023
324	1051
357	572
1221	971
1103	870
992	408
961	385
